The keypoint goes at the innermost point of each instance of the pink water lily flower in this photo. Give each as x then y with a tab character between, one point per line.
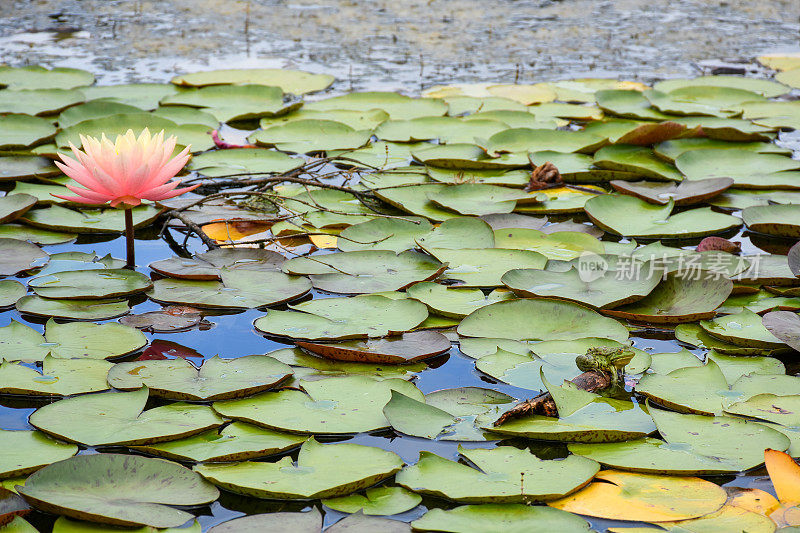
126	171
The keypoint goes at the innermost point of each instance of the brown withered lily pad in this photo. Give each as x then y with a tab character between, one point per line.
407	348
784	325
684	193
172	318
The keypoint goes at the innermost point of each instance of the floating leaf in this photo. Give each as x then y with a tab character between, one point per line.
59	377
454	302
684	193
216	379
72	309
377	501
36	77
748	169
499	517
785	476
118	418
628	104
458	233
90	284
209	266
235	442
785	326
242	161
38	101
23	452
235	102
410	347
479	199
58	218
396	105
629	496
484	267
637	159
763	87
534	140
121	490
308	522
322	471
337	405
506	475
778	220
23	131
558	321
742	329
307	136
392	234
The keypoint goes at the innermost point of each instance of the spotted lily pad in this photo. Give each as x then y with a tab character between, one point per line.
322	471
781	410
743	329
506	475
337	405
558	321
118	419
120	490
235	442
239	289
641	219
23	452
785	326
59	377
449	414
365	271
217	379
778	220
407	348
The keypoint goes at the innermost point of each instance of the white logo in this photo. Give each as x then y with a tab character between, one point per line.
591	266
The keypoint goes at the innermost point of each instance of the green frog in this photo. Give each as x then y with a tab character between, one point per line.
610	360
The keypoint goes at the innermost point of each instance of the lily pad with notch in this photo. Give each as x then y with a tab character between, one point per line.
454	302
120	490
24	452
58	377
742	329
90	284
72	309
336	405
209	265
18	256
502	475
311	136
636	159
57	218
481	199
376	501
748	169
118	418
503	516
242	161
321	471
684	193
216	379
777	220
392	234
484	267
235	102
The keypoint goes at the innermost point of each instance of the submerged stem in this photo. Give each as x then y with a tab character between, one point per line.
129	238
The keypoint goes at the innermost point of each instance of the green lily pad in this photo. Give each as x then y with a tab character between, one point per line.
407	348
743	329
383	234
347	208
484	267
235	442
743	198
443	129
365	271
517	119
781	410
501	518
210	265
694	389
117	418
141	95
642	219
559	321
90	284
56	218
628	104
748	169
196	135
358	120
638	133
290	81
685	193
480	199
310	367
454	302
216	379
398	106
322	471
18	256
533	140
242	161
34	235
381	156
763	87
308	522
463	156
37	77
458	233
10	292
234	102
310	135
239	289
606	291
23	131
671	150
449	414
24	452
38	101
506	475
72	309
512	178
59	377
120	490
65	525
562	200
730	129
467	105
92	110
583	417
695	335
366	316
376	501
337	405
699	100
636	159
414	200
187	115
778	220
693	445
13	167
679	298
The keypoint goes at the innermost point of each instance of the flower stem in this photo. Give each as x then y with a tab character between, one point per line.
129	238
